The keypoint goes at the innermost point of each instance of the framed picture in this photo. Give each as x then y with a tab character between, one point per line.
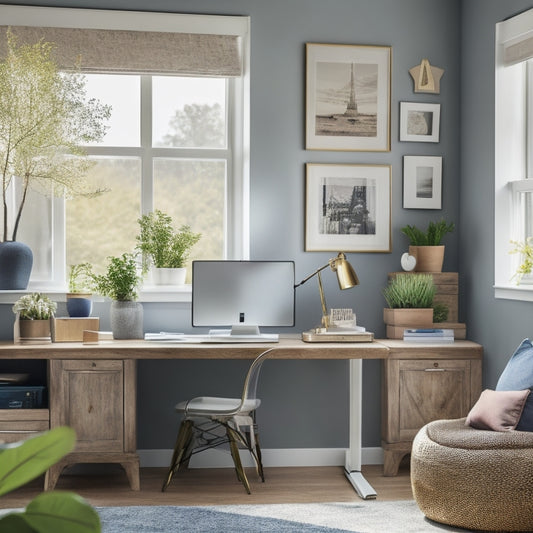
419	122
348	97
348	208
422	182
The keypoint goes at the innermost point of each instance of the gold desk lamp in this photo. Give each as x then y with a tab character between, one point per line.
347	279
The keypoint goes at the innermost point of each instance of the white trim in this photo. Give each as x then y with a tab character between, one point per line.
510	150
276	457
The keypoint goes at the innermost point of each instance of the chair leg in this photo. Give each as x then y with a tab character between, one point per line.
233	438
183	442
258	457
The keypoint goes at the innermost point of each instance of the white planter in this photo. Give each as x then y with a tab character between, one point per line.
169	276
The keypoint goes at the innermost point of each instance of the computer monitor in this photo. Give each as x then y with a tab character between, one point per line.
243	295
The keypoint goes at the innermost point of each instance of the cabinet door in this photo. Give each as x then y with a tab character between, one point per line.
419	391
432	390
89	397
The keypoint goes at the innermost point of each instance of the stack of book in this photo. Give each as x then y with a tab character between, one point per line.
428	335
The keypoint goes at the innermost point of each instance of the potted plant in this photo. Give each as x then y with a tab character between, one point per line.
410	299
44	119
164	248
52	511
80	287
120	283
525	249
426	246
34	312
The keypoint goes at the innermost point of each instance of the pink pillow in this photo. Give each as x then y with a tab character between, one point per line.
497	410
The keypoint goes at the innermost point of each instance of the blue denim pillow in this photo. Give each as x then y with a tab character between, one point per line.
518	375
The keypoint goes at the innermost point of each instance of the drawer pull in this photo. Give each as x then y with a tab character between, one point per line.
435	370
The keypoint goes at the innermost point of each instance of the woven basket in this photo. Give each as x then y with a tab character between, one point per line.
474	479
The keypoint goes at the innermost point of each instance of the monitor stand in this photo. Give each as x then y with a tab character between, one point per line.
242	333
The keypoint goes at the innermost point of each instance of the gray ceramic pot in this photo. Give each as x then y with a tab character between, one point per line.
126	320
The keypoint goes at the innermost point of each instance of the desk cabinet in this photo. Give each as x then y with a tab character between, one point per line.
421	384
97	399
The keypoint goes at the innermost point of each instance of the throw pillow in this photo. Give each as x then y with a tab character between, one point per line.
498	410
518	375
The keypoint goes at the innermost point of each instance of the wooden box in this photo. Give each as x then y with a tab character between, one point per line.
70	329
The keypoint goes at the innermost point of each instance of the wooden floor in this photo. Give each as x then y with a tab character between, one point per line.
108	486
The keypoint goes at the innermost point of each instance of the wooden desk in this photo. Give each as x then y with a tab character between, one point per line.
93	389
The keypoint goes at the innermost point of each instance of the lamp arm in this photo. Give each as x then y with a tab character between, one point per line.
311	275
325	318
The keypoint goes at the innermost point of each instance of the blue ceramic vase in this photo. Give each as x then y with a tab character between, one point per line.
16	261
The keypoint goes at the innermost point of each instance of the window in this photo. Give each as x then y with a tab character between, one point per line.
178	138
513	150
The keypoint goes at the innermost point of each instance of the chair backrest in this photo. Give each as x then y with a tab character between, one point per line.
252	377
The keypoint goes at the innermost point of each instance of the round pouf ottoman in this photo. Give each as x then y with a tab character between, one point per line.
474	479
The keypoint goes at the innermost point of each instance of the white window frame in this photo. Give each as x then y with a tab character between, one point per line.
513	160
238	230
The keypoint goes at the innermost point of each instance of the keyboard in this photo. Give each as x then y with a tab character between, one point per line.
182	338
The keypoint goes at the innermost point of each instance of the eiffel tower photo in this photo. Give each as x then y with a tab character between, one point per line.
351	108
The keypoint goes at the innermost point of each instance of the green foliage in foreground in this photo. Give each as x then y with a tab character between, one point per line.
413	291
431	237
50	512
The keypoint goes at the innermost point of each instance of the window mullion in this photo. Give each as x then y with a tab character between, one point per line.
147	166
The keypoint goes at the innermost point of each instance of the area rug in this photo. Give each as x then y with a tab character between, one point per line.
369	516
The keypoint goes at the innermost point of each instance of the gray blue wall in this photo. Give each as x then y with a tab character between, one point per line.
305	403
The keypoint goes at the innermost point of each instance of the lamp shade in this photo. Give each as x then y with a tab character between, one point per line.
346	275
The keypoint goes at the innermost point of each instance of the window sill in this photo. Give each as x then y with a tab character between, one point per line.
152	294
514	292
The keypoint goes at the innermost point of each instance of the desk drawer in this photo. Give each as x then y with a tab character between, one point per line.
19	424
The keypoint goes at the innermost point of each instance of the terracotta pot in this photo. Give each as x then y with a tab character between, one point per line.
399	319
428	258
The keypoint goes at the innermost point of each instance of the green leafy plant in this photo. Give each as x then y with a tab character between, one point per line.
45	117
525	249
121	281
80	278
50	512
431	237
412	291
440	312
35	306
161	244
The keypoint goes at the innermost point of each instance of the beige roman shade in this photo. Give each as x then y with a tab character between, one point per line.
518	51
136	52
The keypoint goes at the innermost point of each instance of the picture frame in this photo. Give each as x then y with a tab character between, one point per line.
419	122
348	94
422	182
348	208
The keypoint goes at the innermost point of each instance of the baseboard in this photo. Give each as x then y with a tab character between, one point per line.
217	458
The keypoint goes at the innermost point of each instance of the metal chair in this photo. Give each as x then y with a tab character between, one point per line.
209	422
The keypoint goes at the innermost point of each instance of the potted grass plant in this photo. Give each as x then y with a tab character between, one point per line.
121	283
33	312
410	300
80	287
426	246
164	249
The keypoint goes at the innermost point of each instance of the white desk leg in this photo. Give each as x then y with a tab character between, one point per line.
353	453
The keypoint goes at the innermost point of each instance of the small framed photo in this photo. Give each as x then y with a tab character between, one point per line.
348	91
348	208
422	182
419	122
